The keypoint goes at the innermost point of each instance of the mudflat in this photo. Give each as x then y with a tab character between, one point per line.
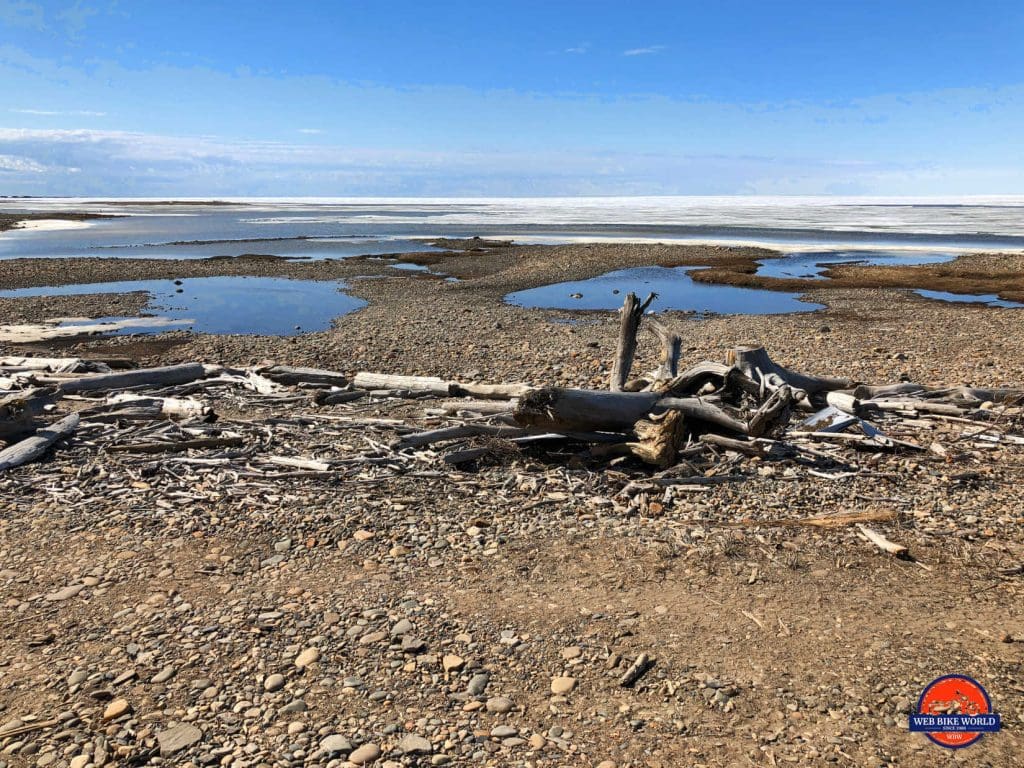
486	614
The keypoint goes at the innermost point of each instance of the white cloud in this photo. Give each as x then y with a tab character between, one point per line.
14	164
649	50
311	131
62	113
579	49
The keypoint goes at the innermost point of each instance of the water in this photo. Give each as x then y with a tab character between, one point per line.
989	299
222	305
335	228
810	265
675	289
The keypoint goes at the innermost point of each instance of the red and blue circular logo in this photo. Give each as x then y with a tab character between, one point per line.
954	711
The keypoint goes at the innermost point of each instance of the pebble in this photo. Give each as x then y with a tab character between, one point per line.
335	744
273	683
367	753
478	684
401	627
413	744
307	657
451	662
64	594
177	738
500	705
562	685
116	708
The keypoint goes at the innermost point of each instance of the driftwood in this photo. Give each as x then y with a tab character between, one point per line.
755	363
671	348
18	411
285	374
222	441
894	549
153	377
33	447
433	386
631	313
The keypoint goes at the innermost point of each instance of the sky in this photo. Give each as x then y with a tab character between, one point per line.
205	97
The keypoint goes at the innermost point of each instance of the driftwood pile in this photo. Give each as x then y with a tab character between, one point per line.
692	426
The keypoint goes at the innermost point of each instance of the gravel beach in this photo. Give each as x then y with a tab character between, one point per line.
417	614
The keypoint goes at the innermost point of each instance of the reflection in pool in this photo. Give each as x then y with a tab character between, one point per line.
989	299
809	265
272	306
675	289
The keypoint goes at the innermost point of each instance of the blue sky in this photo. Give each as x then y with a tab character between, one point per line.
524	98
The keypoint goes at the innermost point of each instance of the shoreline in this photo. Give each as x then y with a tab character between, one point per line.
499	268
723	585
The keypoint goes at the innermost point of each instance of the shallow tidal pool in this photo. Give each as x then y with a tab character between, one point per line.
272	306
676	291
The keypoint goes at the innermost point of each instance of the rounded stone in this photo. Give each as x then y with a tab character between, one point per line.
273	683
365	754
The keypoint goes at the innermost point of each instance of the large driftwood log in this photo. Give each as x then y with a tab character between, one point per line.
374	381
755	363
157	377
286	374
32	448
631	313
51	364
583	410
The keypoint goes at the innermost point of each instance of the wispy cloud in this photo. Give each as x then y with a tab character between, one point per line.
15	164
59	112
579	49
311	131
647	51
93	162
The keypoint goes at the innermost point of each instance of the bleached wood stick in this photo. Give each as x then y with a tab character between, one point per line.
896	550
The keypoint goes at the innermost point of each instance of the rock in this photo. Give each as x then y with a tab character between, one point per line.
362	535
537	741
451	662
163	675
413	744
64	594
294	707
80	761
367	753
116	708
560	686
307	657
78	677
177	738
478	684
273	683
500	705
572	652
401	627
503	731
335	744
607	764
413	645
